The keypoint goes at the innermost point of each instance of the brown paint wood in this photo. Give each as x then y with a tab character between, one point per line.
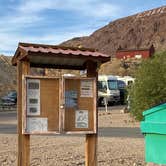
49	103
83	103
23	140
23	68
22	53
91	139
91	150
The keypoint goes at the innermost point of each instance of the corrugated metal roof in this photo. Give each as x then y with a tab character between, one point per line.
62	51
38	53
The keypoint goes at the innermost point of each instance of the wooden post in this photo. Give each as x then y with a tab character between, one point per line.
91	139
23	68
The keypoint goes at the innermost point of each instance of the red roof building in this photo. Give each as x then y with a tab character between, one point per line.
135	53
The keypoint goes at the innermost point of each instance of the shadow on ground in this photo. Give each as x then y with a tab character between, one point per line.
8	129
131	132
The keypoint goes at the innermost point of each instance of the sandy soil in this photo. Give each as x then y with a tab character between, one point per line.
120	143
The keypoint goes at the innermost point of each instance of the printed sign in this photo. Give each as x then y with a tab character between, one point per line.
70	98
33	97
86	88
37	125
138	56
81	119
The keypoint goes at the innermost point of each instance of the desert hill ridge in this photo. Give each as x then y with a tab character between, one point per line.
7	74
137	31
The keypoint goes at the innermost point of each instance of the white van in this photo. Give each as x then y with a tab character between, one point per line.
108	92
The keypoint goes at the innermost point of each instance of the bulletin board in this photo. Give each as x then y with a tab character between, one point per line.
41	100
59	105
80	105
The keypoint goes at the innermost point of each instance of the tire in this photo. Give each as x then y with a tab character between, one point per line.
111	103
101	101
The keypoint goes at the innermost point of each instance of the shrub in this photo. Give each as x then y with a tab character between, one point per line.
149	88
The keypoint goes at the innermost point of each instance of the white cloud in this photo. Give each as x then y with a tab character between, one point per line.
27	14
10	41
103	10
95	8
34	6
18	21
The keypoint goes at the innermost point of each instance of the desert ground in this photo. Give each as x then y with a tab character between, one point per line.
120	143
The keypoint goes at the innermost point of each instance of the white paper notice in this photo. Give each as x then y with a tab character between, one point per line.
81	119
37	125
71	99
33	97
86	88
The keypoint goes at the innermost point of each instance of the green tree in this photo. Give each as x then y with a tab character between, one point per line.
149	88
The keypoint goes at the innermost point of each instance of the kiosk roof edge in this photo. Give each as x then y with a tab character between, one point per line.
40	55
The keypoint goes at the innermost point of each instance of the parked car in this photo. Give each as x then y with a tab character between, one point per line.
10	98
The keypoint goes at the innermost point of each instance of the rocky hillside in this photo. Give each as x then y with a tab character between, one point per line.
136	31
7	75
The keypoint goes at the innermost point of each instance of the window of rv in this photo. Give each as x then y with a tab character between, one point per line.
102	85
113	84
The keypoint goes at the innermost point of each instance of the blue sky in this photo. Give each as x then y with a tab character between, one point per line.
54	21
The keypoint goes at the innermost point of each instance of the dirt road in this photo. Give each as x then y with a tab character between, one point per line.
120	143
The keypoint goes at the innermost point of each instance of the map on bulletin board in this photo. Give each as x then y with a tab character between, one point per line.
71	99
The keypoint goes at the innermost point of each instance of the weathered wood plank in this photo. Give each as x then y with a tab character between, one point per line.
23	68
91	139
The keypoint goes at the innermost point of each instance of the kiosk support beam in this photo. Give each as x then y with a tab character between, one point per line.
23	68
91	139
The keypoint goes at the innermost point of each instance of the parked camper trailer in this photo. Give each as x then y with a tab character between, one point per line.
108	92
123	83
128	80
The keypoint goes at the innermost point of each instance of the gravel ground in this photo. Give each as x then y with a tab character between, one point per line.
119	144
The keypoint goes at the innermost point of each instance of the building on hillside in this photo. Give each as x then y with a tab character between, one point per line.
141	53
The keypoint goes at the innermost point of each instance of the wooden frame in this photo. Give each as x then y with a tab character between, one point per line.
62	110
93	109
24	105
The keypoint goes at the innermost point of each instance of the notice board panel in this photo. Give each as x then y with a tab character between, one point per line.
41	105
80	105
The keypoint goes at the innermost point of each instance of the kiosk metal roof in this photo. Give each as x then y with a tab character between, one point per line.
52	56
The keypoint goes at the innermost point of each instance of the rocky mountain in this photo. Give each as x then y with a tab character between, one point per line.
7	75
137	31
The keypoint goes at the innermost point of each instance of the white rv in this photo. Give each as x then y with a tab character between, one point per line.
128	80
108	92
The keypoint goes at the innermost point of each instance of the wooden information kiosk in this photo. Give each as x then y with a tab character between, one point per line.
57	105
